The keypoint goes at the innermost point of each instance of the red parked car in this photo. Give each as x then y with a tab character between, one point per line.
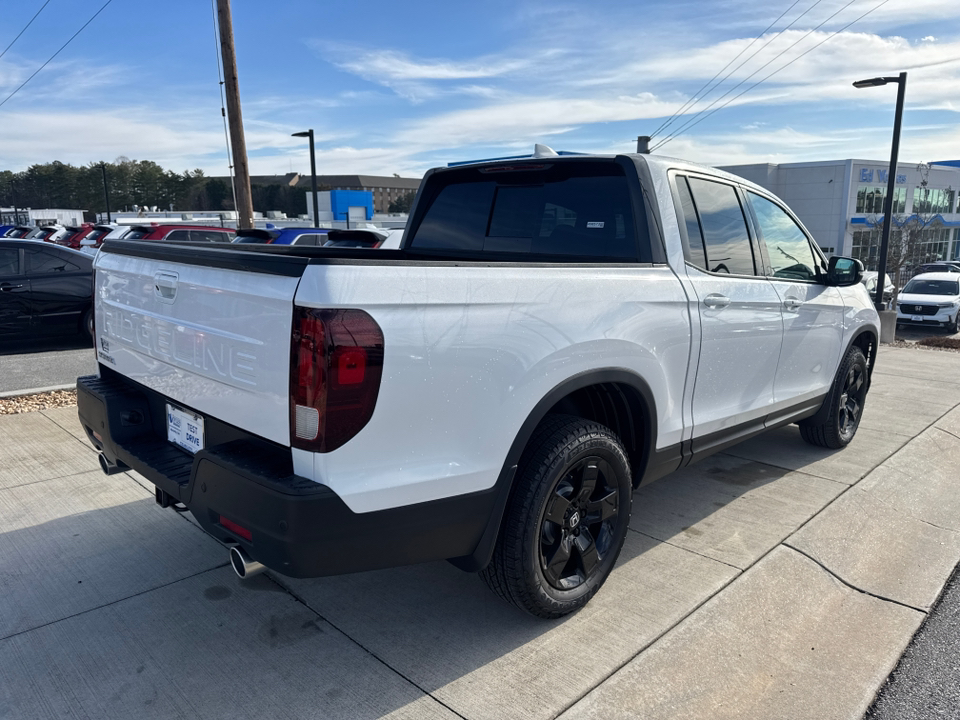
180	233
74	235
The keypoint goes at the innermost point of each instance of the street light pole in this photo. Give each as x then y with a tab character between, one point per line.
106	190
313	175
901	81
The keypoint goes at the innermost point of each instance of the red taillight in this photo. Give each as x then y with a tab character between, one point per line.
237	530
336	364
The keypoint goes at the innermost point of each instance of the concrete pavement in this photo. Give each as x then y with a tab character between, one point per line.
774	581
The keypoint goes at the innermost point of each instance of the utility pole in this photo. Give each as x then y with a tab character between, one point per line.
106	190
235	117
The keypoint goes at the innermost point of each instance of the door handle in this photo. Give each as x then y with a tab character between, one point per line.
715	301
792	303
7	287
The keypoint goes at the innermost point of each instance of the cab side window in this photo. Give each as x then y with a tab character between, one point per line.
788	248
724	227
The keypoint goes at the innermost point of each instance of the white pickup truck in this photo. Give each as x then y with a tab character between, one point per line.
553	332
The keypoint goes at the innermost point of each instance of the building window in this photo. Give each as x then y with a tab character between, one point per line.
932	201
870	199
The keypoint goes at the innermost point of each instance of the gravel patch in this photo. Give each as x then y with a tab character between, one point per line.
39	401
920	345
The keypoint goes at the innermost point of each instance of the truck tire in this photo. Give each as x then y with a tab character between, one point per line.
566	519
837	421
86	326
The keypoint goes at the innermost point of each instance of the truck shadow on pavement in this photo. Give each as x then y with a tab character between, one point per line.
143	596
38	344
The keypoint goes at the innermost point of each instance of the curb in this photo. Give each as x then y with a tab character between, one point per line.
36	391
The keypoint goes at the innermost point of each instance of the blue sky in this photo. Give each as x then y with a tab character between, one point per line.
400	87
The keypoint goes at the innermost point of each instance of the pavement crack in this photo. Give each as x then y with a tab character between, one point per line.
296	596
839	579
113	602
685	549
948	432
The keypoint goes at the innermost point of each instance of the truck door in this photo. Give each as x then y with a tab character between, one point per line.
739	310
812	312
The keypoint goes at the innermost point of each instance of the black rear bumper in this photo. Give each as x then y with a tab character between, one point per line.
298	527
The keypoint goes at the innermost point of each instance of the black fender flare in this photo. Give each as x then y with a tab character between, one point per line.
484	551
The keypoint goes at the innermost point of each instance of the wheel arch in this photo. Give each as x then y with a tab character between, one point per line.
866	339
617	398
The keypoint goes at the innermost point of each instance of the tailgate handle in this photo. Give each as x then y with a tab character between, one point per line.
165	285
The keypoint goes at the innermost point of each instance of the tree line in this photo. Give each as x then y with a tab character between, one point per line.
135	182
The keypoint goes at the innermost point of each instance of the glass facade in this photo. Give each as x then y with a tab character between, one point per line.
932	200
870	199
929	245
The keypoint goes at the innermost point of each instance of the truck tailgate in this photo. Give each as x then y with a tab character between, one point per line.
214	339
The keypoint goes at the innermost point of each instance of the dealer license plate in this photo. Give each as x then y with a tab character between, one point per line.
916	318
184	429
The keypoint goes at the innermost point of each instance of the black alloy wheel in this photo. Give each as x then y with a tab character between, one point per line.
851	402
835	424
579	523
566	519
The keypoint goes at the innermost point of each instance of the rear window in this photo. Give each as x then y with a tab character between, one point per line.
575	209
135	234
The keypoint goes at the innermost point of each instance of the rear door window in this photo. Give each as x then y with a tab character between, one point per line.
696	255
573	209
307	239
726	241
178	236
41	262
9	262
209	236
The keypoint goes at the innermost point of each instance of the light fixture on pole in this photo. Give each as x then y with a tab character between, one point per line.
313	175
901	81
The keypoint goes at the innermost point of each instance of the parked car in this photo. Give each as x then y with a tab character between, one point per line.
931	299
44	289
180	233
282	236
74	234
947	267
4	229
48	233
21	231
553	332
870	283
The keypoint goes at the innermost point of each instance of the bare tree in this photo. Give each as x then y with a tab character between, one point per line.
911	244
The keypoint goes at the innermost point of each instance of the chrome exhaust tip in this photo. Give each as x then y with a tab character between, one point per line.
108	467
244	565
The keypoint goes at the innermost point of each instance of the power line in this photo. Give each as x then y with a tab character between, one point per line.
24	28
692	101
56	53
767	77
803	37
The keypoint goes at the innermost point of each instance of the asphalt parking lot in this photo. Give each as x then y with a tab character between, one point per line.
44	362
776	580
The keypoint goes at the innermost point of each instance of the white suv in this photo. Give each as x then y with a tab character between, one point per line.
931	299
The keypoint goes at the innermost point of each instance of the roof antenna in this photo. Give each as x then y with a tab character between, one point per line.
540	151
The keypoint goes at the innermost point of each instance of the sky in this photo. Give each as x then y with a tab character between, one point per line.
402	87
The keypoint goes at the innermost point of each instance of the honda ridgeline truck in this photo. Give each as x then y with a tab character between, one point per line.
553	332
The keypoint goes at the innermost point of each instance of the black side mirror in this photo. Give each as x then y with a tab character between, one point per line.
844	271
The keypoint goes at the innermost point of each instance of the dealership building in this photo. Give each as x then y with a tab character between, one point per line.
841	202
